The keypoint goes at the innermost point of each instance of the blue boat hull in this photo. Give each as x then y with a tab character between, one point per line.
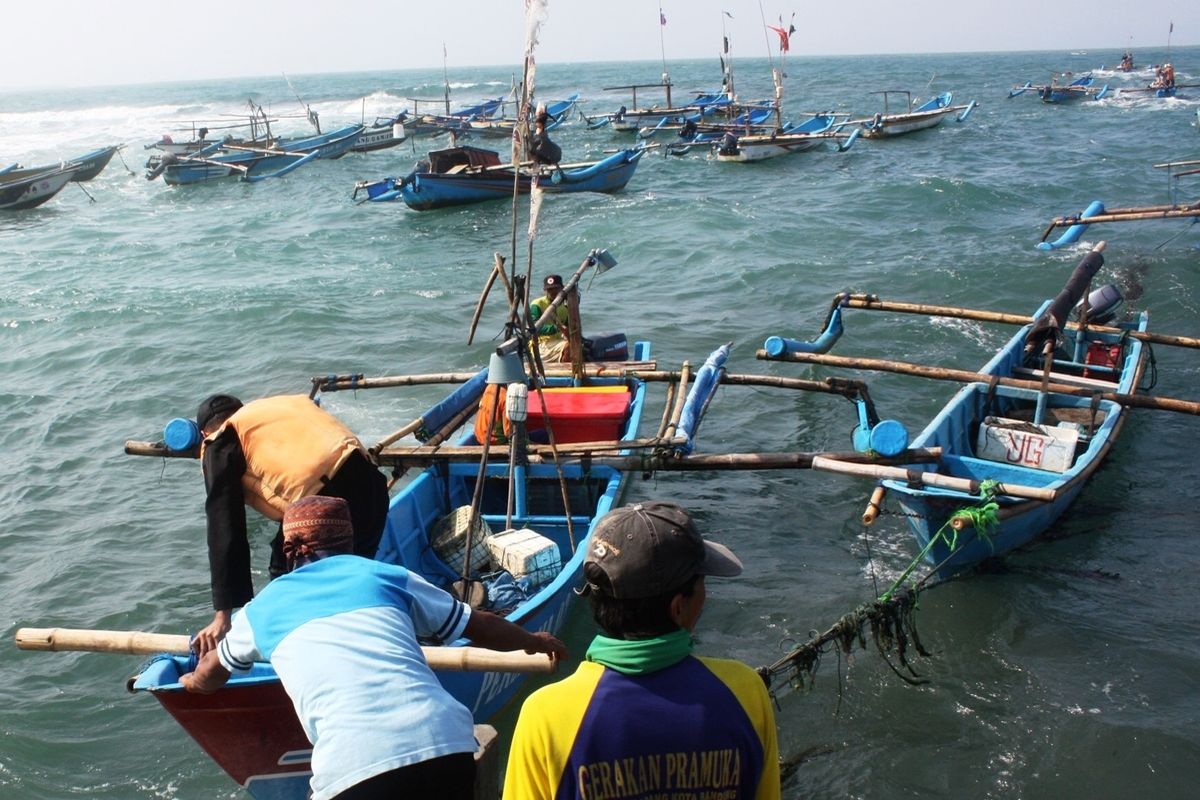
424	191
953	430
249	727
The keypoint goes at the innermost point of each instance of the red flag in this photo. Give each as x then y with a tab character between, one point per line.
783	38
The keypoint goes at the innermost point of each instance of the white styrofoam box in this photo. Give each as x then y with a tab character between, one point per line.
449	540
526	553
1023	444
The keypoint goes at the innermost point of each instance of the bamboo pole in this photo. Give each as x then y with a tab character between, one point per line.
873	303
668	462
444	659
680	399
497	268
668	404
1131	215
966	376
928	478
874	505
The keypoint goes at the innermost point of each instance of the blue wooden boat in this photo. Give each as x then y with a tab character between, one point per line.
815	131
1038	423
463	175
89	165
249	727
22	189
557	113
929	114
1058	92
452	120
703	105
221	160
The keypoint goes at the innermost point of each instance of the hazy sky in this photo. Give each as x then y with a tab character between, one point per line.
98	42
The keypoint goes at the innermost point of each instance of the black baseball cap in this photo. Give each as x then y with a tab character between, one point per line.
652	548
552	282
214	406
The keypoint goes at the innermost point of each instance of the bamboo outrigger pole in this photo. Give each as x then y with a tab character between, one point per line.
872	302
966	376
443	659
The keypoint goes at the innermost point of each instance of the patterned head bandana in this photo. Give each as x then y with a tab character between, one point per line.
316	523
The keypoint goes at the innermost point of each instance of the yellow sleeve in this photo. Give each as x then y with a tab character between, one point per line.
545	733
747	685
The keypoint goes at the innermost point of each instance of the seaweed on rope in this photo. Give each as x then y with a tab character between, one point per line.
891	617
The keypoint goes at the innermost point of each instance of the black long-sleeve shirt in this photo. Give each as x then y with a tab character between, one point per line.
225	508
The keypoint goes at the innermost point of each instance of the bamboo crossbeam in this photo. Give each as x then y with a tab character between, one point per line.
1131	215
1168	164
443	659
873	303
928	478
267	151
966	376
656	462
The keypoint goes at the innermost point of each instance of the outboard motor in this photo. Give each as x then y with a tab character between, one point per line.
1103	305
158	167
729	145
688	130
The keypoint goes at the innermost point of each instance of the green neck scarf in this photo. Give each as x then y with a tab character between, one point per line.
640	656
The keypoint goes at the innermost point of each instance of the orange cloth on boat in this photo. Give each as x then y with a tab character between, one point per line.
494	397
292	448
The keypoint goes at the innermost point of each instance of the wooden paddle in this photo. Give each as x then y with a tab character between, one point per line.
442	659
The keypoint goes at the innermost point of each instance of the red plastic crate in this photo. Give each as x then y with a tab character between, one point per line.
579	415
1102	355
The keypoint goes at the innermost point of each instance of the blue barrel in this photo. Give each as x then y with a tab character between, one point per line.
181	435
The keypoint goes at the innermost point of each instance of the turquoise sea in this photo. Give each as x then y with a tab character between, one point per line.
1071	672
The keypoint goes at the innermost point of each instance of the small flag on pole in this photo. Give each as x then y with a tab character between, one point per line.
1172	29
662	18
728	14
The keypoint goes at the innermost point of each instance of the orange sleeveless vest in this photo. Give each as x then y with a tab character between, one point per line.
292	446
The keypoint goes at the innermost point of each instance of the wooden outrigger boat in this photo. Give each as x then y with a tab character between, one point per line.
89	165
222	160
1026	432
634	120
817	130
22	189
1058	92
559	490
927	115
557	113
463	175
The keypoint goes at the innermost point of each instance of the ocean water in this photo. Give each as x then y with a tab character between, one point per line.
1072	672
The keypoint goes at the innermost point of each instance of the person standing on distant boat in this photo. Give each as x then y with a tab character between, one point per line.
553	336
342	633
642	717
267	454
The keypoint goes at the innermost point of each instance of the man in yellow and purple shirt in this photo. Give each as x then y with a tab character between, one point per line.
642	717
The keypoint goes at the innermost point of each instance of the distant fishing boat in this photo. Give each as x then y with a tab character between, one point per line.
1059	92
817	130
22	189
88	165
463	175
222	160
929	114
557	113
381	134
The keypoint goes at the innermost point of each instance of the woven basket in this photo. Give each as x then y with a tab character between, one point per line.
449	541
